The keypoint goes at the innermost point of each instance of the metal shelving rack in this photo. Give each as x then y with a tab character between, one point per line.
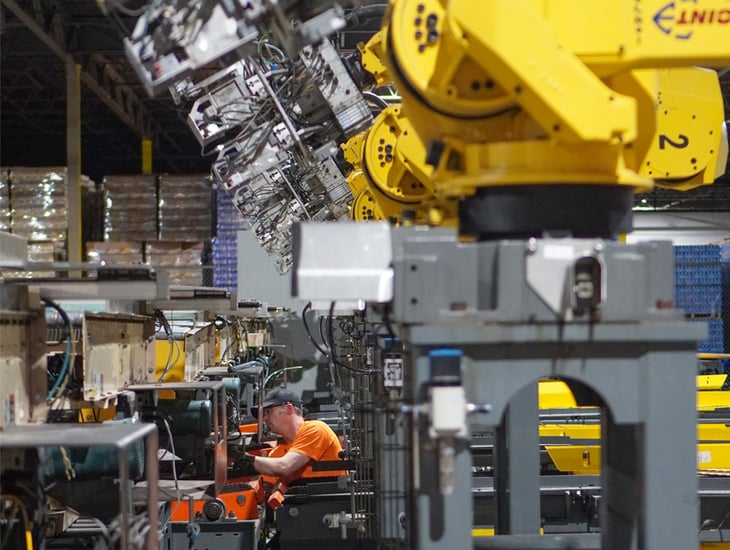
119	436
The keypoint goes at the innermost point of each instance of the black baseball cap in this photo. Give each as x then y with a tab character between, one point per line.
279	396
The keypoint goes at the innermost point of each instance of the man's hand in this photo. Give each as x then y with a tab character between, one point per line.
243	466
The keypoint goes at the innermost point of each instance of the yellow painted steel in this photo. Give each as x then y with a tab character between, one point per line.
96	414
390	158
177	358
390	176
713	438
601	103
368	203
712	458
364	207
711	400
478	68
711	382
489	531
146	156
705	431
556	394
73	162
573	431
521	95
576	459
615	36
371	59
684	151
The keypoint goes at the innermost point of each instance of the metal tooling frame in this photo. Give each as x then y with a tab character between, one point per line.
219	437
154	287
636	362
117	351
23	367
118	435
569	501
199	350
228	534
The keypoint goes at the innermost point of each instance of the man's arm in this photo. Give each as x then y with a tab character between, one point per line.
282	466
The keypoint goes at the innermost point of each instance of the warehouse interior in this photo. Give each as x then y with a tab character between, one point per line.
490	254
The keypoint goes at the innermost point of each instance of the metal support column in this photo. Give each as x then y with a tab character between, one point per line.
146	156
391	479
516	312
517	466
635	470
73	159
441	520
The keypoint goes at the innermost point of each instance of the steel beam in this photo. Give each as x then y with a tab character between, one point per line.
73	159
99	75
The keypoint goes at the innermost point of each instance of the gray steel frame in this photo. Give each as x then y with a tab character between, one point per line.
636	362
218	438
117	435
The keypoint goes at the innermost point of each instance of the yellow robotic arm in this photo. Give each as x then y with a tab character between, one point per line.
371	59
687	148
390	177
534	113
363	206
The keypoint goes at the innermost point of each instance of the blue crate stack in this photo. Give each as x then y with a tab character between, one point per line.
225	248
698	285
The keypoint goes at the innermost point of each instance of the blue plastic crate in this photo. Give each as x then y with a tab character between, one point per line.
697	253
715	342
712	346
698	274
725	253
225	277
224	257
228	228
704	300
225	244
225	241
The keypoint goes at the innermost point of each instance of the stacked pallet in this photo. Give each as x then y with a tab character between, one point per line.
38	204
185	210
699	291
38	213
167	220
130	208
112	253
4	200
182	261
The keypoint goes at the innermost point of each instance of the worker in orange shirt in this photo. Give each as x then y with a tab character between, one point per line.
303	442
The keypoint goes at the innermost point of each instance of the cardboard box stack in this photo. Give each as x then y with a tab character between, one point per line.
130	208
185	209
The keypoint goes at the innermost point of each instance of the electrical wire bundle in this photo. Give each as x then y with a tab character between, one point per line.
162	322
327	334
61	378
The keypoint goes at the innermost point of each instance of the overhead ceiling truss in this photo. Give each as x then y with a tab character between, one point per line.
97	72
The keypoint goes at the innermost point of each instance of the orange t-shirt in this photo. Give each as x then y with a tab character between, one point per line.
316	441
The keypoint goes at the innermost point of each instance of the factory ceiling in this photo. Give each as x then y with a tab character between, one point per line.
39	37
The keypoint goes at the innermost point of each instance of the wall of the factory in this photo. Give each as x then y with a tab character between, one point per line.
682	228
258	278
